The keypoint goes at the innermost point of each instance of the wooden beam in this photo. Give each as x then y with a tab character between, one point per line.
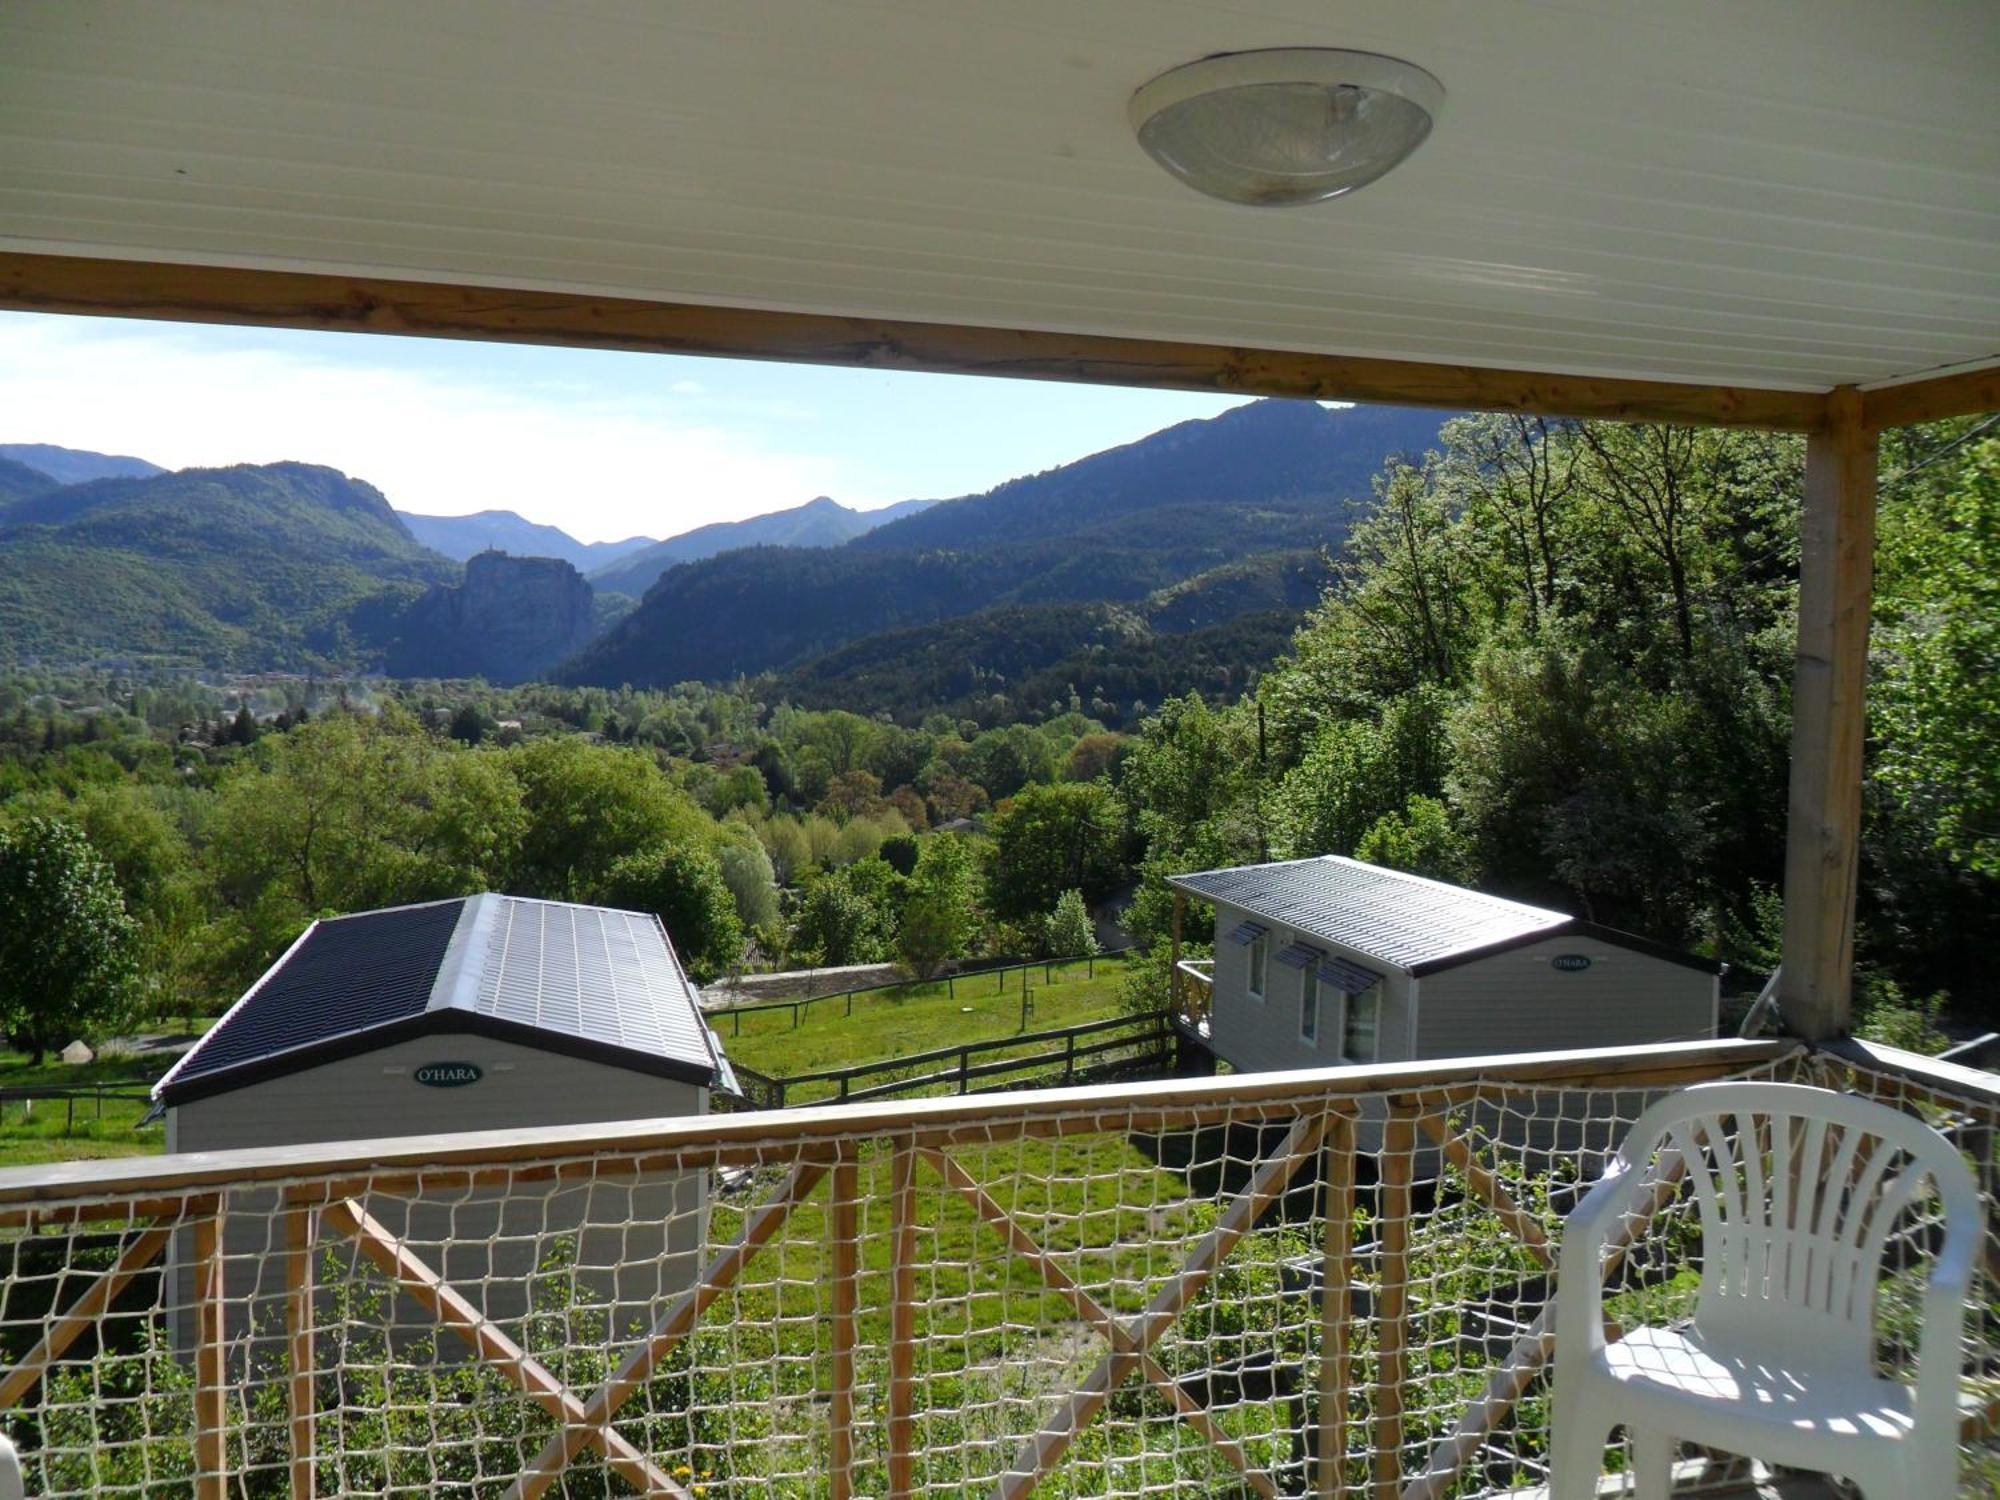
1091	1311
1962	395
844	1227
1392	1297
1829	723
1335	1311
500	1352
82	1314
56	1192
903	1322
301	1396
211	1392
593	1417
362	304
1045	1449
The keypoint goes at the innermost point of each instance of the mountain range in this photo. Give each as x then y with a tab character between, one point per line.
461	537
1116	528
820	522
1179	561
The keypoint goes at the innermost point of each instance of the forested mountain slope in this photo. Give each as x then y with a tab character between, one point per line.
1112	528
269	565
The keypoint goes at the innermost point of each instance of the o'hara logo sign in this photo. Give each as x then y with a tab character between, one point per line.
449	1075
1570	963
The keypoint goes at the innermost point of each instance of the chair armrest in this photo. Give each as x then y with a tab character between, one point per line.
1941	1345
1579	1286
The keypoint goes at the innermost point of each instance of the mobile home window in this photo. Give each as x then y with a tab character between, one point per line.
1357	1040
1260	962
1309	1008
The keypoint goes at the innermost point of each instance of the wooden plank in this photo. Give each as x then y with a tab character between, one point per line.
1335	1311
903	1323
844	1224
1486	1187
301	1396
514	1364
81	1189
1092	1312
1045	1450
211	1392
1829	724
1967	393
1392	1297
438	309
674	1325
82	1314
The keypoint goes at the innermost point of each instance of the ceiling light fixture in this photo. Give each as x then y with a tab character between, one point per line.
1285	126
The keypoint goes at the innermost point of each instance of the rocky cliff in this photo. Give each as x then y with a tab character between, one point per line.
510	621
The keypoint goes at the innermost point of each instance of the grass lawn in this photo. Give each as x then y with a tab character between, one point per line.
902	1019
46	1130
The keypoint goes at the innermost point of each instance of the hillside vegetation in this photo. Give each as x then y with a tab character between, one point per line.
1272	476
274	565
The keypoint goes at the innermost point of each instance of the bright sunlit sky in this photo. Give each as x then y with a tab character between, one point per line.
603	445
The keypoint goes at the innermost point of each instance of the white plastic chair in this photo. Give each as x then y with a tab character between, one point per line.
1797	1188
11	1487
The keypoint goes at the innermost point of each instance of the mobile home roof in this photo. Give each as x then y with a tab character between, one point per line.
587	981
1407	921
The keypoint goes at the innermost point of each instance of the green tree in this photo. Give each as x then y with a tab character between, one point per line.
1050	839
589	806
1936	703
941	908
348	813
1419	838
1068	931
67	946
683	885
746	869
848	915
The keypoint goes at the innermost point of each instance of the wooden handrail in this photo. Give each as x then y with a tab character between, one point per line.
129	1187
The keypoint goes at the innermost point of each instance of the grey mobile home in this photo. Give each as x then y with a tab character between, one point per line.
1330	960
482	1013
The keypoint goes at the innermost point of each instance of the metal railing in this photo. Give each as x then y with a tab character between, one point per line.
1329	1282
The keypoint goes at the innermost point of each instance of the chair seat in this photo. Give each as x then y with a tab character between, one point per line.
1703	1388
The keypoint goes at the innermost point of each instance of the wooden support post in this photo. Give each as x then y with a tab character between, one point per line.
903	1324
1829	722
211	1399
1174	980
1336	1275
844	1221
1392	1297
301	1398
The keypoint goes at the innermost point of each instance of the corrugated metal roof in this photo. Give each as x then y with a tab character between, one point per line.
600	981
1399	919
1765	195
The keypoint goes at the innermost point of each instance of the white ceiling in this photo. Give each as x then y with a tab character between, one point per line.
1785	193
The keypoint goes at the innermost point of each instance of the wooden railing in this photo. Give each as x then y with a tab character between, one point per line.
895	1298
1138	1041
1193	992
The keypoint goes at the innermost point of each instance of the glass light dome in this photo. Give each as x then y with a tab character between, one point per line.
1285	126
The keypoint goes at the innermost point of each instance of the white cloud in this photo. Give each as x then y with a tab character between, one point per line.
599	466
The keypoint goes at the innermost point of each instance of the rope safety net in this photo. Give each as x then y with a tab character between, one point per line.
1319	1293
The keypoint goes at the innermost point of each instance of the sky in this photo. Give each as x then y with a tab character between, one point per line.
604	445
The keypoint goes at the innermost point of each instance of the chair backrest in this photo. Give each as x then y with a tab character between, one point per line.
1798	1189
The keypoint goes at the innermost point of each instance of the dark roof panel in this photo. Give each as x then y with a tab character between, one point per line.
350	974
591	981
